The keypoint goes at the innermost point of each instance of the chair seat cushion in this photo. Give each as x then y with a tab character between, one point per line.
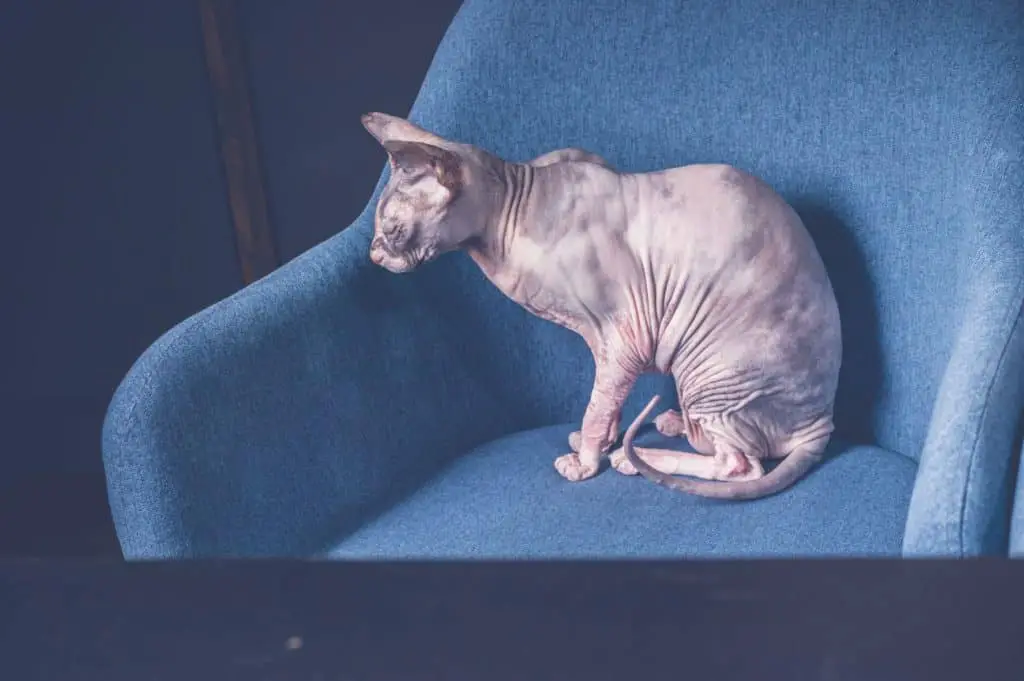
504	500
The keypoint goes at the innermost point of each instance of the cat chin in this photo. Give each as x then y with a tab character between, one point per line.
399	266
393	264
408	263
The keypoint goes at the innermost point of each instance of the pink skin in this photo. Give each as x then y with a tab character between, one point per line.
701	272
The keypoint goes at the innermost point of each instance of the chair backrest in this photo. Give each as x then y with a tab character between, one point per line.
894	128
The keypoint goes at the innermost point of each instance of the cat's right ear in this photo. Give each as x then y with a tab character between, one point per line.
445	166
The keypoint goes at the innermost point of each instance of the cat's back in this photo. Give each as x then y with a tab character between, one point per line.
720	215
706	190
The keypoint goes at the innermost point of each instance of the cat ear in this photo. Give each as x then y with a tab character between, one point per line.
385	127
376	124
445	165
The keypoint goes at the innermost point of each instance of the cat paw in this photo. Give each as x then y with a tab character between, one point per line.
572	469
735	467
670	423
621	464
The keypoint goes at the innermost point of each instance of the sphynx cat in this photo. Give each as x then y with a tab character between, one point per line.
701	271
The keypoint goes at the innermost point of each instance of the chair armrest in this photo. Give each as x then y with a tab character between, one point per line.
1017	518
961	501
282	417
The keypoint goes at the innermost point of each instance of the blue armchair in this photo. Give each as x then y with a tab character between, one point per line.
1017	522
333	409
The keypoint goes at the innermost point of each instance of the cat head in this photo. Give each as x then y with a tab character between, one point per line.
433	201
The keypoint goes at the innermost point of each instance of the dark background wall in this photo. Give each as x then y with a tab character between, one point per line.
114	213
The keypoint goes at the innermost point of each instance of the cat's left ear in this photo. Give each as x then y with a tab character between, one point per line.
445	165
385	127
376	124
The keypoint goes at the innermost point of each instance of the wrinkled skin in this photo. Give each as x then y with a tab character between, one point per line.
702	272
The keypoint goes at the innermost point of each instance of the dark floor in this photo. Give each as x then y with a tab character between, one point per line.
281	620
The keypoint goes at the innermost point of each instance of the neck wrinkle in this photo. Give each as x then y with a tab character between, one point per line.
515	181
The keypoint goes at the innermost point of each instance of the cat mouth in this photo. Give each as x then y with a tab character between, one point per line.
395	263
400	263
391	263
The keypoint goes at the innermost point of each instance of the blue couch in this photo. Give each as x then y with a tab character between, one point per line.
334	409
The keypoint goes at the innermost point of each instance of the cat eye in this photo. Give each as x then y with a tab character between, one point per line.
396	233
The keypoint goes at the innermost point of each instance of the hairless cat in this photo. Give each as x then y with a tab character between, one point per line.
701	271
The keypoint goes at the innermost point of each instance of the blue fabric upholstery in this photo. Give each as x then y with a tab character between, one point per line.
333	407
503	499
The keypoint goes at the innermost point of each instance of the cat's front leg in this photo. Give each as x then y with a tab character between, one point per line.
612	384
576	437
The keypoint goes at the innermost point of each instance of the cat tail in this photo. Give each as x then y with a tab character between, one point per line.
796	465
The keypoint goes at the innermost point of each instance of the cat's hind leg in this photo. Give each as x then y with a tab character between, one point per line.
665	461
670	423
726	465
674	423
723	444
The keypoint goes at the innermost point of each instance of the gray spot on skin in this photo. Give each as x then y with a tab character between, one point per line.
733	177
666	190
565	199
751	246
700	271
